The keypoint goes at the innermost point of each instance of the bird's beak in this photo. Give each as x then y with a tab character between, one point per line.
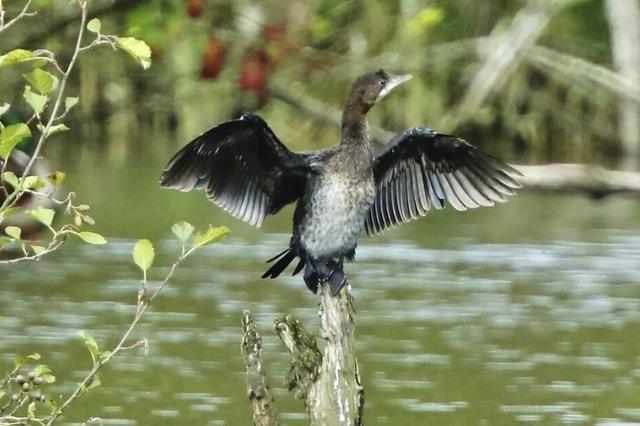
393	82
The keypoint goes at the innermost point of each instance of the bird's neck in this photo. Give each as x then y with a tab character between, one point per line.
354	122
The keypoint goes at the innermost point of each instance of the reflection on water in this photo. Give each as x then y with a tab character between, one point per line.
453	326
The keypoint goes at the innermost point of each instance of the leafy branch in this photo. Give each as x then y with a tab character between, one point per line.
143	256
39	95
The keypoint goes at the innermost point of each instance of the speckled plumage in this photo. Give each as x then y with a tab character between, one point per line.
336	202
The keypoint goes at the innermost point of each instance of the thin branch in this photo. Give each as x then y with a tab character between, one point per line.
24	12
143	304
63	84
12	199
53	246
60	24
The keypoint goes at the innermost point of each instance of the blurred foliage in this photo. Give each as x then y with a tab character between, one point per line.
215	58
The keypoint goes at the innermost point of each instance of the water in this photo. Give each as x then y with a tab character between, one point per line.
526	313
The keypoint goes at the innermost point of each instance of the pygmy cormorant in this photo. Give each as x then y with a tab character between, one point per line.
246	170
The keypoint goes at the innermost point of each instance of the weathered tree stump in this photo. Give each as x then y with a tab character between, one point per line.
328	382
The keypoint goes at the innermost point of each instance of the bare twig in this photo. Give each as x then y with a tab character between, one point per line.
24	12
262	402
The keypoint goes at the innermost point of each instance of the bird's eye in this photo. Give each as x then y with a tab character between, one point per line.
382	82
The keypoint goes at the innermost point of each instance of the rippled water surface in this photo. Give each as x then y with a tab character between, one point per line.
528	313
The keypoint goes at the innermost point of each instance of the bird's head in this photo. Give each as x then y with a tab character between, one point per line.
373	86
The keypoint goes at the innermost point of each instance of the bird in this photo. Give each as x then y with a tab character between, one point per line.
342	191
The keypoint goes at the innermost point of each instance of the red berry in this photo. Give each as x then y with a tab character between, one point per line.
254	71
212	58
194	8
273	33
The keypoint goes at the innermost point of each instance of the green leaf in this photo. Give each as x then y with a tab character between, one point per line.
4	108
94	25
38	250
70	102
143	254
56	178
93	383
10	136
92	238
15	56
90	343
42	215
104	355
212	235
41	80
45	372
21	360
54	129
5	240
32	182
11	179
425	19
41	370
36	101
138	49
182	230
8	212
49	378
53	407
13	232
2	394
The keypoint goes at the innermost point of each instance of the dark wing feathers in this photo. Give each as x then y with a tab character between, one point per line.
421	169
242	166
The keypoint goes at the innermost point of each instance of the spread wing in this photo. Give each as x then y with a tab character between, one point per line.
243	168
421	169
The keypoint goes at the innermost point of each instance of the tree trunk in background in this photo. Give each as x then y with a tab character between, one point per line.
505	52
624	24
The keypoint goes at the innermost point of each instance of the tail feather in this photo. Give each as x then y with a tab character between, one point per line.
316	272
298	267
286	258
279	255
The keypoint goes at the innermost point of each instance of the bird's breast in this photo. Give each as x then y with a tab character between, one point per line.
335	213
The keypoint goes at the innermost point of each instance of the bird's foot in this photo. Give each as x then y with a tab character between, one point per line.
317	272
